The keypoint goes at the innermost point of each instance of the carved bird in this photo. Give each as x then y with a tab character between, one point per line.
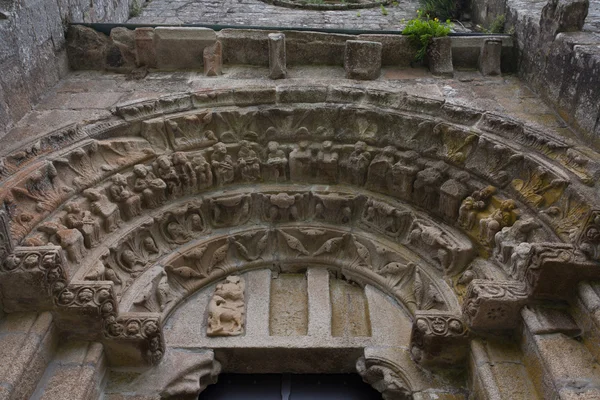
183	272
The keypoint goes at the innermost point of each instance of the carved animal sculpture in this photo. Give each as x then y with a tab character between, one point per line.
219	313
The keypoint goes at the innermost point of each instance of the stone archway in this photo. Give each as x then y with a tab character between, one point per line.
462	217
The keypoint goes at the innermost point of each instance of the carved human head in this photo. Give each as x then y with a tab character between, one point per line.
119	180
163	162
508	205
327	145
273	146
179	158
140	170
220	148
303	144
73	208
360	146
85	295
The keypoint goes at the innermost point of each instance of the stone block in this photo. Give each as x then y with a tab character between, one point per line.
86	48
438	338
439	56
213	59
181	47
490	57
144	47
319	304
121	53
277	61
491	305
396	51
362	59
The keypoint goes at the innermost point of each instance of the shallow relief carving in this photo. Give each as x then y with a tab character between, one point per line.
226	309
383	378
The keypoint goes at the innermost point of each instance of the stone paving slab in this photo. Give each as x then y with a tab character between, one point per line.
86	96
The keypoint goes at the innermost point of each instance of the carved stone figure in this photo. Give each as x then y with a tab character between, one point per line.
386	218
248	163
333	207
357	164
379	174
327	163
472	205
282	207
301	163
427	186
71	240
383	379
85	222
498	219
185	171
510	237
226	308
101	272
452	192
222	164
165	171
404	173
131	204
104	208
203	171
152	189
276	162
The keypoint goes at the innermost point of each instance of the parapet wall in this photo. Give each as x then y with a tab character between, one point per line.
32	47
556	58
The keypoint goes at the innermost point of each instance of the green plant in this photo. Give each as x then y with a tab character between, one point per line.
441	9
136	9
423	29
497	26
383	10
358	14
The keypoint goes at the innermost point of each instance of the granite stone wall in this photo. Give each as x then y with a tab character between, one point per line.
32	47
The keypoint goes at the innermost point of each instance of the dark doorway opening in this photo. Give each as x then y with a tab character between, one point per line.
290	387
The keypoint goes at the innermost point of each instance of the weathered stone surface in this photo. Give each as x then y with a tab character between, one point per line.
213	59
122	53
491	57
87	49
362	59
144	47
438	339
181	47
277	56
439	56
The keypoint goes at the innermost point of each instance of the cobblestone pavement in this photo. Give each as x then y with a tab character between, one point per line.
257	13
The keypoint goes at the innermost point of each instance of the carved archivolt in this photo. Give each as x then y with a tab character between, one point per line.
175	193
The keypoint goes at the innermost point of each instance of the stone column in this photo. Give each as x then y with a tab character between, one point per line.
439	56
277	62
490	57
362	59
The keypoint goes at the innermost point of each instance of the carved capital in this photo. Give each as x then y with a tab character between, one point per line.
84	308
382	376
438	339
554	269
138	336
30	276
491	305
